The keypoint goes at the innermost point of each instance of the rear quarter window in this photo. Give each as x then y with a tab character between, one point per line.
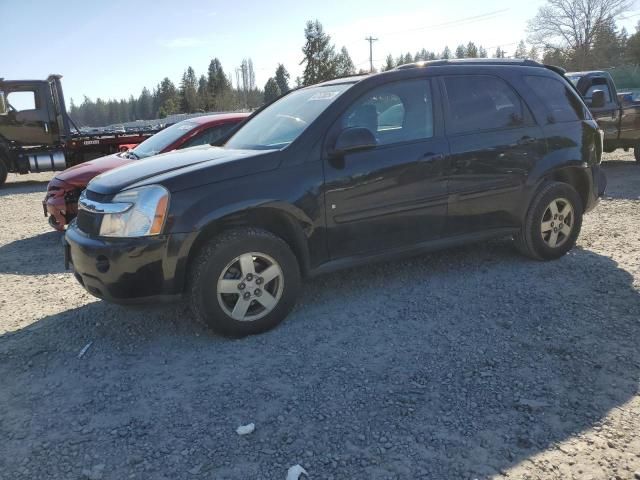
561	101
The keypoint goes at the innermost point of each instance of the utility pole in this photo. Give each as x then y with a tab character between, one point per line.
370	39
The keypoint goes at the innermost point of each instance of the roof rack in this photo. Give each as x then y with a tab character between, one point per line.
471	61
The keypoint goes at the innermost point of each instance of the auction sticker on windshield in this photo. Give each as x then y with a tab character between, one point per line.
324	95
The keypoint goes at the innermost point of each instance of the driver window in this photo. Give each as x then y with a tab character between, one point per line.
396	112
21	101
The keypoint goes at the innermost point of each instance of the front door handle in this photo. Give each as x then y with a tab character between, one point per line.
432	157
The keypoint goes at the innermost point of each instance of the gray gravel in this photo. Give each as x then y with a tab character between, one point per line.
469	363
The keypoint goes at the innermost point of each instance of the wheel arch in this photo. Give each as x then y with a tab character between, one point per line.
283	220
577	177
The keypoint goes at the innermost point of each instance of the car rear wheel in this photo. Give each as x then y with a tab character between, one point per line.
243	282
552	224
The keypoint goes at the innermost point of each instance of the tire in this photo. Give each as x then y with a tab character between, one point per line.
536	239
224	263
4	171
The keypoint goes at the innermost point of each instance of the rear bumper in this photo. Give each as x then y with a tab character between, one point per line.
129	270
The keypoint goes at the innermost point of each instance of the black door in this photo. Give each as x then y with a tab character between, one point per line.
494	144
393	195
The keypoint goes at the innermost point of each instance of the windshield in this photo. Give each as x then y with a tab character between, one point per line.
574	79
161	140
282	122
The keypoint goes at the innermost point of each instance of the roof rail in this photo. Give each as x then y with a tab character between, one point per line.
471	61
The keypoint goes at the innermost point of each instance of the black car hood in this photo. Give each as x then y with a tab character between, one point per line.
183	169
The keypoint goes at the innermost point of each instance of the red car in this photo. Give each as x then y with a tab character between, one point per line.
63	191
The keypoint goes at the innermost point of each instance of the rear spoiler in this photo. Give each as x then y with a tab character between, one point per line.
559	70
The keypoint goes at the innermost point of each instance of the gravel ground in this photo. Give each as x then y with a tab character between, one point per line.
469	363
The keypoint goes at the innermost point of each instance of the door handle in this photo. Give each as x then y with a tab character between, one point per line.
526	140
432	157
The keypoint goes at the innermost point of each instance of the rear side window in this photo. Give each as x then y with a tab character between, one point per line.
483	102
563	104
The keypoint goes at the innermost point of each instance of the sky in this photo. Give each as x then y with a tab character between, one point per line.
112	49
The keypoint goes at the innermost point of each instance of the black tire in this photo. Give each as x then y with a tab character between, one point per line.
4	171
530	241
214	258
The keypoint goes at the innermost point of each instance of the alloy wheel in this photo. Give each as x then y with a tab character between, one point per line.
557	222
250	286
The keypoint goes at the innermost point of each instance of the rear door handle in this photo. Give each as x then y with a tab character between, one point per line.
526	140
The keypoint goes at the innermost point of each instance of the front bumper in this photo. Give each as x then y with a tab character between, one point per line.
129	270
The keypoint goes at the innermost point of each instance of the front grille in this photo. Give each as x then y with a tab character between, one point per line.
89	222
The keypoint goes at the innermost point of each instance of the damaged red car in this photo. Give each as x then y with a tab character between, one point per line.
63	191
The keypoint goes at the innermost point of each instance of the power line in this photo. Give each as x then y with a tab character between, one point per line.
370	39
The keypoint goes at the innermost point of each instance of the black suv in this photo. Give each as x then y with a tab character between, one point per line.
342	173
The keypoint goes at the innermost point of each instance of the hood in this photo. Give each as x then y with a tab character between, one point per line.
185	169
80	175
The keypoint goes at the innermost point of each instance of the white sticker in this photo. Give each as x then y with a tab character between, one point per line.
324	96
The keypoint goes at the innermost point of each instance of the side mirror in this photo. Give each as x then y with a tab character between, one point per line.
597	99
354	139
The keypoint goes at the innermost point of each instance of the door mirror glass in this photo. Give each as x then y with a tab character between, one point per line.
597	99
355	139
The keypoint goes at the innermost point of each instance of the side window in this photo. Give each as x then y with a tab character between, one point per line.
395	112
25	100
598	84
208	136
483	102
561	101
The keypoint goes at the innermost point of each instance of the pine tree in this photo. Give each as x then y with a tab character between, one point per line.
521	51
390	64
461	51
271	90
282	79
343	64
318	55
482	52
472	50
203	93
168	100
499	53
189	91
145	105
446	53
533	54
408	58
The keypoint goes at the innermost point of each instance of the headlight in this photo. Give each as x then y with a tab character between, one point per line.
138	212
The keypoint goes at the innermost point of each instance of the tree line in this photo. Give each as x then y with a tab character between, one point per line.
573	34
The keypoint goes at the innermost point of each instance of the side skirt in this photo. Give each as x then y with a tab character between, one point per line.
403	252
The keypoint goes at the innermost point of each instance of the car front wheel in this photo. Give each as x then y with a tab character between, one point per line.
552	224
244	282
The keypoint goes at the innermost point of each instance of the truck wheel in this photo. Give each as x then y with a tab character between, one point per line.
552	224
244	282
4	171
